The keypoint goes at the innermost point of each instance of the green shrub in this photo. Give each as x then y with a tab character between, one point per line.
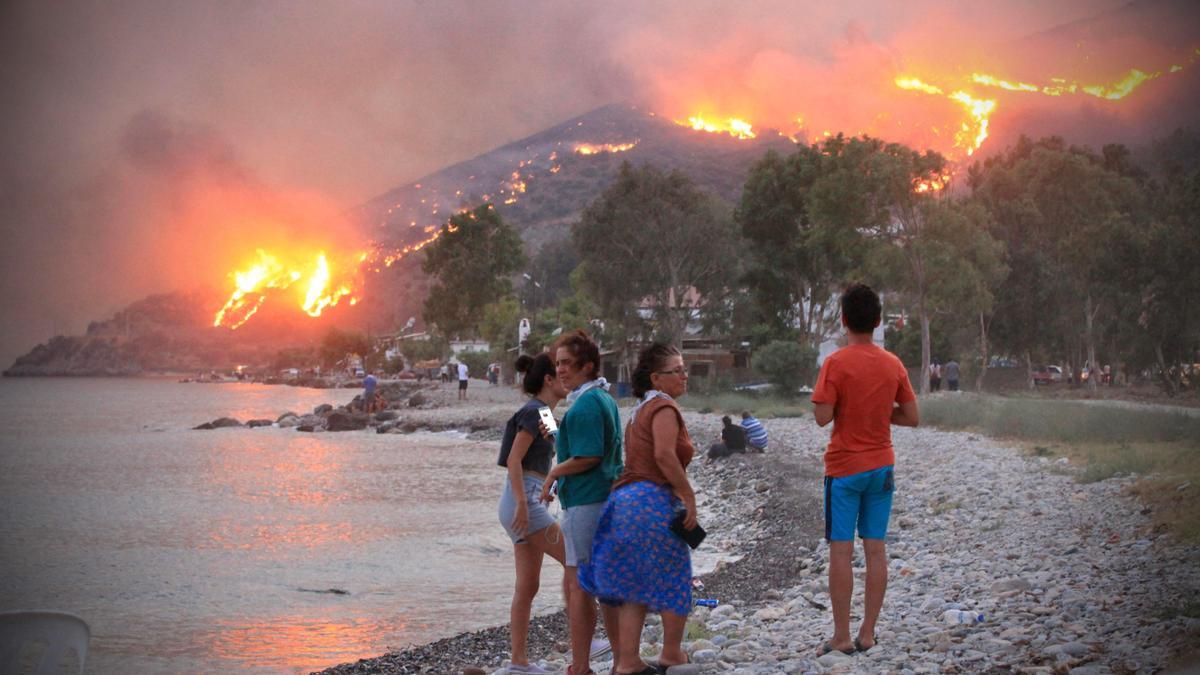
786	364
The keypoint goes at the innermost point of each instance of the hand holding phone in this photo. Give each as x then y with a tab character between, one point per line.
548	423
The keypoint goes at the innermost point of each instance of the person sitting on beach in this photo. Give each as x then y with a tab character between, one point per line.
756	433
637	562
863	390
527	456
733	439
589	460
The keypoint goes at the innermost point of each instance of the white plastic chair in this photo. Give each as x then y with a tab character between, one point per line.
56	631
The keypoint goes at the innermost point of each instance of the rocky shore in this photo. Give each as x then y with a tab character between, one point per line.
1068	577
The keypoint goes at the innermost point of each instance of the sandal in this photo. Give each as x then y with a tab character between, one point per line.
859	648
828	647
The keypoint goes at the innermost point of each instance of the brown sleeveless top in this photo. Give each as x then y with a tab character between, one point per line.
639	444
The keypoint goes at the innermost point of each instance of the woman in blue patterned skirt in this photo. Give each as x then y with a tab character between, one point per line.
637	562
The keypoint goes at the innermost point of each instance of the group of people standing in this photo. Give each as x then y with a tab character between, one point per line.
619	489
939	371
628	506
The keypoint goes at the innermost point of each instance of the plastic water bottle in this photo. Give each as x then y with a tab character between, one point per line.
959	617
706	602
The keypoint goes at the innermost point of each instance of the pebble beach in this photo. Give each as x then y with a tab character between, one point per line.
1057	576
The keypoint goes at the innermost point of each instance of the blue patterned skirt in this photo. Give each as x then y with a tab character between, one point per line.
635	556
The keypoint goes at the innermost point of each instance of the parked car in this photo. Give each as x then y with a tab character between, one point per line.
1047	374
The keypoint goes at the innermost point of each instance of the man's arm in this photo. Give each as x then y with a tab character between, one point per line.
906	414
823	413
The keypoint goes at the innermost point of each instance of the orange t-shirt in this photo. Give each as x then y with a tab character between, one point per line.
861	382
639	445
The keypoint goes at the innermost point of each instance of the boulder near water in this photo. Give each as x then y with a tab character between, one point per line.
346	421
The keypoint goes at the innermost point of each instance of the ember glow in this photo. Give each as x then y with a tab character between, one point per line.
323	285
597	148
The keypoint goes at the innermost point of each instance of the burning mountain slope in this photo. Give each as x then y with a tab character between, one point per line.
542	183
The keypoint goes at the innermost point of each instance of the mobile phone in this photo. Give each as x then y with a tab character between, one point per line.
548	419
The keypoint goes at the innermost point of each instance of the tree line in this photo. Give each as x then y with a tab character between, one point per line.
1046	252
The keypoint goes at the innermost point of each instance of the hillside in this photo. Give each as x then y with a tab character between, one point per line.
539	184
542	183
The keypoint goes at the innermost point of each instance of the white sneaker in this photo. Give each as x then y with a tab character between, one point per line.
531	669
600	648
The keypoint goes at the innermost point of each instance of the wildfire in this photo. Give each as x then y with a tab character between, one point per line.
733	126
271	274
597	148
931	184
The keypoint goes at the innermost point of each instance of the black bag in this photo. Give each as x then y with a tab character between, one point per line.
692	537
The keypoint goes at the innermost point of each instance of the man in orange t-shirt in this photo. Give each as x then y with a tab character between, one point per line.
863	390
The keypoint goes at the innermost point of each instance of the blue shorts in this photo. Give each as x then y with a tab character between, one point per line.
862	500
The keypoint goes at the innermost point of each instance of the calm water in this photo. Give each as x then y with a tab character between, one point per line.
188	550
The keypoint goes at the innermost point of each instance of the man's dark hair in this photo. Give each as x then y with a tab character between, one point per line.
745	414
861	308
726	420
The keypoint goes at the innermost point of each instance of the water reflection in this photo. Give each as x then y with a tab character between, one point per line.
206	537
300	642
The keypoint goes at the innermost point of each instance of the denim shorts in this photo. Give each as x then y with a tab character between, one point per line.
862	501
579	528
539	517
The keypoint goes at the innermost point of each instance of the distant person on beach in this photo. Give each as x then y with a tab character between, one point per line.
638	562
935	376
589	460
369	383
445	372
527	455
863	390
951	373
462	381
756	433
733	439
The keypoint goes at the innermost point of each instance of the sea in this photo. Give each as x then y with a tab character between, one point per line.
242	550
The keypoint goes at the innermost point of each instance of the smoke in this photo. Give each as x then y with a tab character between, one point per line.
151	146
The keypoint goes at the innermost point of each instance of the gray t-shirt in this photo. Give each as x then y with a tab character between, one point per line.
952	370
538	457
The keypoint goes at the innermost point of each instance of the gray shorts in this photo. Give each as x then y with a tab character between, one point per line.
579	527
539	517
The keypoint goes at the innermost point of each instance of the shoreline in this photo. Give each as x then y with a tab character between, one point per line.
1068	575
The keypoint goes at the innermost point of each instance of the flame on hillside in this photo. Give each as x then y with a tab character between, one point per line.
321	285
738	128
597	148
868	94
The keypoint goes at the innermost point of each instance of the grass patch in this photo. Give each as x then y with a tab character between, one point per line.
695	630
1042	420
1161	447
734	402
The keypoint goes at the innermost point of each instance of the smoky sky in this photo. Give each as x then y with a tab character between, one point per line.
144	141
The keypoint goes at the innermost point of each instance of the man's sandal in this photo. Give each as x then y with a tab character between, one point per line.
828	647
859	648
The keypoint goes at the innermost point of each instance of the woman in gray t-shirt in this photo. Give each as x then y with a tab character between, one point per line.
528	455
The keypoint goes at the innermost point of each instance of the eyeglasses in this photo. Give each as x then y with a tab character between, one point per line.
681	371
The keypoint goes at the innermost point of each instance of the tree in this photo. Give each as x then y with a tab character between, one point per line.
499	325
1081	210
1169	277
472	261
548	276
336	344
950	265
654	235
797	261
787	365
